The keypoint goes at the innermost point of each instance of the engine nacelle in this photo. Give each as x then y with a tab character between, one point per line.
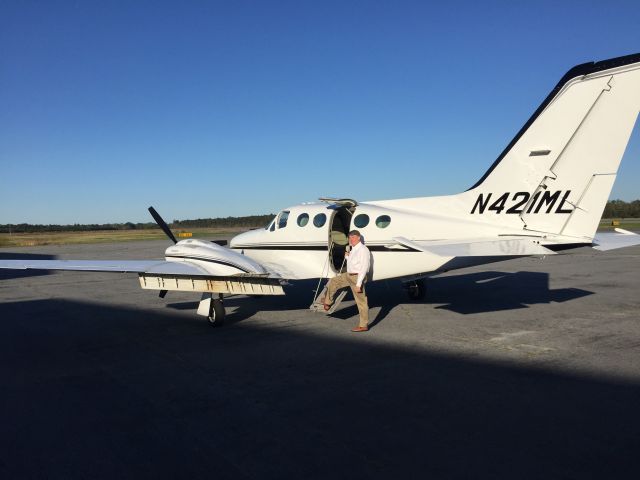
213	258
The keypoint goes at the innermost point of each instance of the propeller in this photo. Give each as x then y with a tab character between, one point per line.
162	224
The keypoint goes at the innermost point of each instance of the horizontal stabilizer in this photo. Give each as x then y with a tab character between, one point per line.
618	239
508	246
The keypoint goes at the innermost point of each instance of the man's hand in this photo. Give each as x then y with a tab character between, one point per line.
359	289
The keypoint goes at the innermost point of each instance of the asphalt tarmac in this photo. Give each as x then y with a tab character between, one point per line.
523	369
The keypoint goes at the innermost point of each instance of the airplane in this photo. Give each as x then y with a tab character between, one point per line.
545	193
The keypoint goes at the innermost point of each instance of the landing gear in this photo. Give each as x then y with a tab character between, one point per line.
211	306
217	312
416	289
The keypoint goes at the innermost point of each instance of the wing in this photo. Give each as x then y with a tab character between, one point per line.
122	266
193	258
220	271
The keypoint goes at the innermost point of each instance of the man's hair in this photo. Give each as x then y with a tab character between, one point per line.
355	232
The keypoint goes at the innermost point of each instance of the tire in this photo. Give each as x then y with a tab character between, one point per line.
417	290
217	313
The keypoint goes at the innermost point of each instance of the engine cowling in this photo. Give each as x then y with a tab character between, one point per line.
213	258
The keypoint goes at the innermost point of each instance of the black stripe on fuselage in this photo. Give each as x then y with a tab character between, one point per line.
381	248
577	71
372	248
280	247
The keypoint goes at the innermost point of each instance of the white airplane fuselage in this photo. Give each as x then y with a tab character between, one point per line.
310	244
304	245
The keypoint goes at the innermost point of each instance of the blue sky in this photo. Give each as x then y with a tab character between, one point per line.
217	108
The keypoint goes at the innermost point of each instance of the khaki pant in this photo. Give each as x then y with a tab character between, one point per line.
347	280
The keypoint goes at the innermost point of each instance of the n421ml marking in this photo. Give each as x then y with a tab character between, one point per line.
542	202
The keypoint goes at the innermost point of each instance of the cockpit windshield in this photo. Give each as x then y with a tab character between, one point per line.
271	223
282	218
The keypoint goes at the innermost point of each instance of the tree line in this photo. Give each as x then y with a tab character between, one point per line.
613	209
227	222
622	209
250	221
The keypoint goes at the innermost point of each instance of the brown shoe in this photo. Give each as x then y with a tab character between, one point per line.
360	329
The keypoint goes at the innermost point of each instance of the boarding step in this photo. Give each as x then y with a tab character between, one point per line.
318	306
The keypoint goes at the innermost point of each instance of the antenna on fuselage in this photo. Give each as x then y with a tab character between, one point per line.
341	202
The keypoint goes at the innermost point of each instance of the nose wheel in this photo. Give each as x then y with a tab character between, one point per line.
416	289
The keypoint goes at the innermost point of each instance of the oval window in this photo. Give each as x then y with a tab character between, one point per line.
383	221
361	220
303	219
319	220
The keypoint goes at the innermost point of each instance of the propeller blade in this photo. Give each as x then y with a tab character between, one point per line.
162	224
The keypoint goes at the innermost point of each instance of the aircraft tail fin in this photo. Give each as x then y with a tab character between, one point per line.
556	175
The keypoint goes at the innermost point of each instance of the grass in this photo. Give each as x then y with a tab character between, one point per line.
106	236
632	224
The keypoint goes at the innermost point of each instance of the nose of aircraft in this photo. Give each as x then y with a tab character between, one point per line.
245	238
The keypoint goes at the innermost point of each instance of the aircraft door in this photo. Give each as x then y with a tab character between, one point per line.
339	237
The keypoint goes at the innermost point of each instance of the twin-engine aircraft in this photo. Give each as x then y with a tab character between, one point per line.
546	192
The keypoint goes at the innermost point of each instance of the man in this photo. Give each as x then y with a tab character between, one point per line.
358	263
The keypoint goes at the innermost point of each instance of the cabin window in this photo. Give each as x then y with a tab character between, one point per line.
383	221
319	220
303	219
282	218
361	220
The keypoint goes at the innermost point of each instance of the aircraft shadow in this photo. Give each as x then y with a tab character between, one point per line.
465	294
7	274
495	291
96	391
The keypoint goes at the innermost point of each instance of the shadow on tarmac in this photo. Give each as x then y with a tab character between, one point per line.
495	291
464	294
7	274
92	391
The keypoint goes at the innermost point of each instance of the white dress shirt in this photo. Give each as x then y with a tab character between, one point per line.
358	262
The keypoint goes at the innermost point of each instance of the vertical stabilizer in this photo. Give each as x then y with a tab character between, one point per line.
557	173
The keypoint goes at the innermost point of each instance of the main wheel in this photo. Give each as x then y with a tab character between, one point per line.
216	313
416	289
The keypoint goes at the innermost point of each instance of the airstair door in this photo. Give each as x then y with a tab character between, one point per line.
339	237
